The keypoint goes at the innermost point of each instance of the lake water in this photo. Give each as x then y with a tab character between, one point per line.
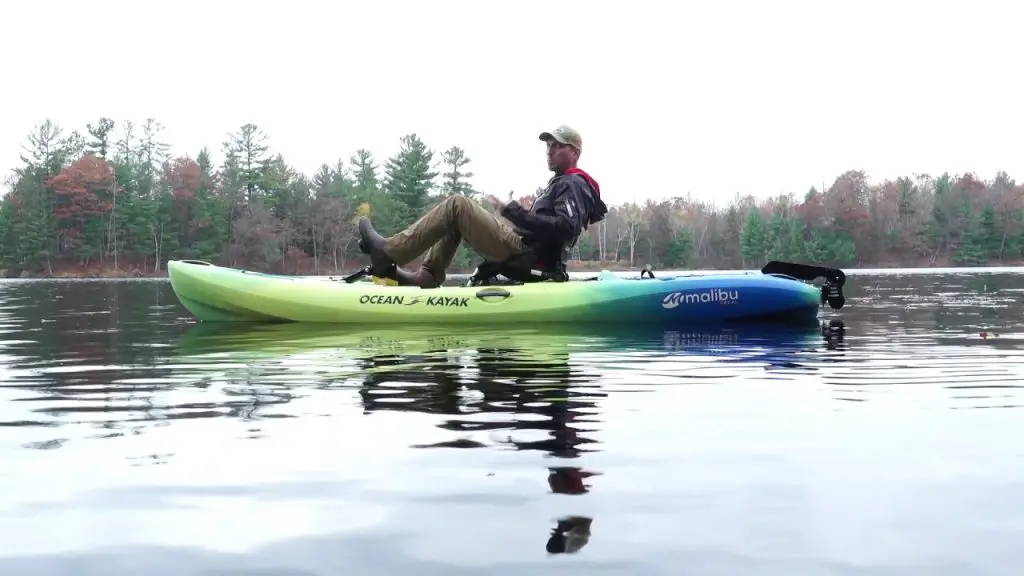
135	441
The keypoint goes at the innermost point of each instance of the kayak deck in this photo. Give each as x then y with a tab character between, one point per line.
220	294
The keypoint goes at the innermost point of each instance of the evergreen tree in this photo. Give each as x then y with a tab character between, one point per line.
456	181
410	179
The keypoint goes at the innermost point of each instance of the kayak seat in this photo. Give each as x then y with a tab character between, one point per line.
487	274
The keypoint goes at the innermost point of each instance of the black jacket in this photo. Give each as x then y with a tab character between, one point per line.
570	203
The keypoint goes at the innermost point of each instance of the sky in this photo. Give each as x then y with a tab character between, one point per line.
672	98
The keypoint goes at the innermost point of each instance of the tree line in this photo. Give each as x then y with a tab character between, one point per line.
114	199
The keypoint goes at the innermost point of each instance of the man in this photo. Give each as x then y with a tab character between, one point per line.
535	235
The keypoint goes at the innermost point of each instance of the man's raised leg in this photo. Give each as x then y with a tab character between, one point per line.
456	218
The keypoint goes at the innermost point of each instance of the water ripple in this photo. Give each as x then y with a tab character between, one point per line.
137	440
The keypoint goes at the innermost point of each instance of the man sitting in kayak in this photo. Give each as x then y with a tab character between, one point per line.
533	235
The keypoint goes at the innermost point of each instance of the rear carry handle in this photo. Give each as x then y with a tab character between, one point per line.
831	290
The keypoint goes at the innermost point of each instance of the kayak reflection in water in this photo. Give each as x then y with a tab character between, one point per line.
533	235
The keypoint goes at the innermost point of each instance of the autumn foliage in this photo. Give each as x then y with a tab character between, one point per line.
119	198
83	190
184	179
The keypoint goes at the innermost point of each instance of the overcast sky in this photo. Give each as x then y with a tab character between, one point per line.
710	98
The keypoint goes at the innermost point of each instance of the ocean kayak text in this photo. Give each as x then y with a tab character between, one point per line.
385	299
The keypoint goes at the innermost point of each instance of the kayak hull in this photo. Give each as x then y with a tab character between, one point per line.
220	294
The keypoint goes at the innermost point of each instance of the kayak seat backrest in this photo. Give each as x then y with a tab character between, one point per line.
487	273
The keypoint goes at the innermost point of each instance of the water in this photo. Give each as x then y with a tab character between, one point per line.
134	441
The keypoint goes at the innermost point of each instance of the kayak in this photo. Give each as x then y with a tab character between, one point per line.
780	291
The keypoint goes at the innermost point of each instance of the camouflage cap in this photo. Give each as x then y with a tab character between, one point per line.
565	135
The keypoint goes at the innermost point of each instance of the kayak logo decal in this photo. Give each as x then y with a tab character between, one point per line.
715	295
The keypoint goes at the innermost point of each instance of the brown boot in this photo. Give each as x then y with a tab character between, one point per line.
373	244
423	277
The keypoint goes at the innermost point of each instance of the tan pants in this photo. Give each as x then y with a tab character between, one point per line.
455	219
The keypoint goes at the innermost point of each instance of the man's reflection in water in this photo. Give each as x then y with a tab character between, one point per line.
517	382
569	480
571	534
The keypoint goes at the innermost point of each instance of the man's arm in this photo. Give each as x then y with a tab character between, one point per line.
565	225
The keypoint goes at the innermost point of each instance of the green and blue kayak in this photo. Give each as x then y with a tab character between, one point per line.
781	291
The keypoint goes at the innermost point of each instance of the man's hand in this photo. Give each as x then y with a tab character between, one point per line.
495	202
525	201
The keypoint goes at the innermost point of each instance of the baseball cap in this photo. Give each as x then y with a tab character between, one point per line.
565	135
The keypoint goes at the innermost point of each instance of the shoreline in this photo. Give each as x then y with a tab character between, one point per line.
109	272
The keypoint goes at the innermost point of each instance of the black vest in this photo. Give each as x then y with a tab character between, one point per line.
551	254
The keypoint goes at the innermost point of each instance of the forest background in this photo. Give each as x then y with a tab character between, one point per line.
112	201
